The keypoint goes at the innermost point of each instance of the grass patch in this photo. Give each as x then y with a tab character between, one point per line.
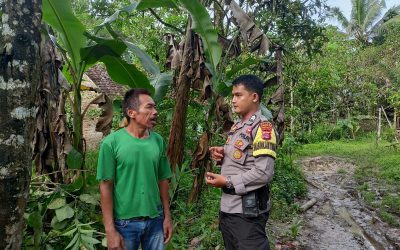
382	160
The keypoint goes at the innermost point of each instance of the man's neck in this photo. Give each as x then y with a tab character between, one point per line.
137	131
249	114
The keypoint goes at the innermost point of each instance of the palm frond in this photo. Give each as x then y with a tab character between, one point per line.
392	13
338	14
373	13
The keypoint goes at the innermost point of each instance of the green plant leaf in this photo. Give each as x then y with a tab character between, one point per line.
49	247
126	74
127	9
266	112
248	62
89	240
56	203
65	212
146	61
74	159
146	4
203	26
161	82
73	241
224	88
92	54
76	185
35	220
58	14
104	242
57	224
70	232
87	231
88	199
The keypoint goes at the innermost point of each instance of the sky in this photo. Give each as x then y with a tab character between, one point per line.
345	7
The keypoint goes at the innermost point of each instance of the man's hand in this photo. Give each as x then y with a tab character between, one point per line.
115	240
167	224
217	153
215	180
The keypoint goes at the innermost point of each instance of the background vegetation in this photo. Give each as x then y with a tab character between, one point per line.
335	81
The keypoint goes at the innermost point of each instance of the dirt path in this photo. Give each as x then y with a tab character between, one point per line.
339	220
92	137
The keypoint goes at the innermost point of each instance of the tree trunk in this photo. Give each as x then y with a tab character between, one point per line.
175	149
291	106
280	116
51	139
378	133
19	77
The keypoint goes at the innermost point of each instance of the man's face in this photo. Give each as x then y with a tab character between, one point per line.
243	100
146	115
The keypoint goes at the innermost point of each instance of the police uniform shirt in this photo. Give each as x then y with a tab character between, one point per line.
249	157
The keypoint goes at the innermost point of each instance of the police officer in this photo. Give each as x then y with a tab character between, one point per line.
247	166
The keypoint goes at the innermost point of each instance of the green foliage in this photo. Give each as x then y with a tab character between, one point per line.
145	4
288	183
344	129
364	21
66	216
201	218
125	73
74	159
58	14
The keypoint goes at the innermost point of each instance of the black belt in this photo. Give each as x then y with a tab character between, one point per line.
231	191
141	218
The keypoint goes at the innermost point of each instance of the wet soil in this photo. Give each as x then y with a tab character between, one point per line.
339	220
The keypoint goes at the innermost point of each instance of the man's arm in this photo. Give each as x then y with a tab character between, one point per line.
114	239
163	186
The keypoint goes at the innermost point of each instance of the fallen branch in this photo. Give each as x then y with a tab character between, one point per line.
308	204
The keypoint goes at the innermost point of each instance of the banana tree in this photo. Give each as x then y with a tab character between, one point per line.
81	49
216	81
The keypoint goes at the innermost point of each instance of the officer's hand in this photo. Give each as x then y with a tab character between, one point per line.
217	153
215	180
115	241
167	225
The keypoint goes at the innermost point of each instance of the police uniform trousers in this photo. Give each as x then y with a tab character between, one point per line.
241	233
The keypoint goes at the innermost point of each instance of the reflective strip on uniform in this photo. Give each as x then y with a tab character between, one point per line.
263	146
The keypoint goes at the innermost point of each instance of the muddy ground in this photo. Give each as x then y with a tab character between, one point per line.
339	219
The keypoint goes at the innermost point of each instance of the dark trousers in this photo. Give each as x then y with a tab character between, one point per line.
240	233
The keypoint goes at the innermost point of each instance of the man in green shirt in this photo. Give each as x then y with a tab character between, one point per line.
133	171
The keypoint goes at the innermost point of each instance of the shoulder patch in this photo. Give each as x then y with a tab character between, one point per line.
265	140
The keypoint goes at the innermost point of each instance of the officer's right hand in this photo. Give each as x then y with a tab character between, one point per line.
217	153
115	241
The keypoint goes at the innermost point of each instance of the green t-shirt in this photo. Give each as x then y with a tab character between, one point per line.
135	166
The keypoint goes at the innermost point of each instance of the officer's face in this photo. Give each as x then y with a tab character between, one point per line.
243	101
146	115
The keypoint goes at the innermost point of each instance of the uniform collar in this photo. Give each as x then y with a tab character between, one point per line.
239	124
253	118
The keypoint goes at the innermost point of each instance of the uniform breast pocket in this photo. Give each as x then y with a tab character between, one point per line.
238	153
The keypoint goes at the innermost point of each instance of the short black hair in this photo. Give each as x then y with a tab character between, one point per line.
251	83
131	100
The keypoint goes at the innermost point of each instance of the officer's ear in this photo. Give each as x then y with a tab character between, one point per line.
255	97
